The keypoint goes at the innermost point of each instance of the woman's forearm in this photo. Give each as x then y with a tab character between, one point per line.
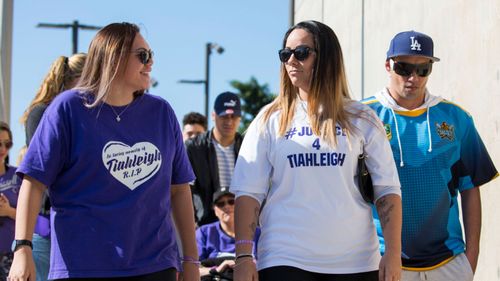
28	207
389	210
246	215
183	215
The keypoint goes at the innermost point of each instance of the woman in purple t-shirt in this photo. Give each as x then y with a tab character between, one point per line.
114	163
9	189
63	74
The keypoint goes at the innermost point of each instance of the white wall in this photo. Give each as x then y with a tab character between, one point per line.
467	40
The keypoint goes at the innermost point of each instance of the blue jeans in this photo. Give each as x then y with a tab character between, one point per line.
41	255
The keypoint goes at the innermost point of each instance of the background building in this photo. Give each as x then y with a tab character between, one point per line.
467	40
6	7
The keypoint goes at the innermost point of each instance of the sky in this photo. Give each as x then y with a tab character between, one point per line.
251	33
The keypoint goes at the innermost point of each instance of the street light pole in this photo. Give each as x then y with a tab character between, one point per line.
209	48
208	51
75	26
207	75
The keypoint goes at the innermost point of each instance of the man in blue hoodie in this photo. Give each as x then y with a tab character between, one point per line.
439	154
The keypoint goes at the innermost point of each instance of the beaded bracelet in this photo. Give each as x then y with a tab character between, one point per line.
189	259
239	242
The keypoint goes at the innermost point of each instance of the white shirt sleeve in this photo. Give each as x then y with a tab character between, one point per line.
253	168
379	160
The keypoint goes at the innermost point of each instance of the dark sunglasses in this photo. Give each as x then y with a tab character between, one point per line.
144	55
221	204
7	144
300	53
406	69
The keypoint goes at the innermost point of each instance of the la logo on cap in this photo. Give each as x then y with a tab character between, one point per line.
415	46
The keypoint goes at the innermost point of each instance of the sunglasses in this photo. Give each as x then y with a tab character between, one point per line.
406	69
145	56
300	53
6	144
221	204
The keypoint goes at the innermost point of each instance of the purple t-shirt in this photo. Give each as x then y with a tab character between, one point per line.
109	185
213	242
9	186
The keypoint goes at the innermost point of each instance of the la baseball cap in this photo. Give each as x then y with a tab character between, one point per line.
411	43
227	103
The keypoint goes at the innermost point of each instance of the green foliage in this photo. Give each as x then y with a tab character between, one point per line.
253	97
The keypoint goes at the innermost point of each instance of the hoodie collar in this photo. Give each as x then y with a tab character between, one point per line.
386	100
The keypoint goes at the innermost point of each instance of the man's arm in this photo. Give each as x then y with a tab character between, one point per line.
471	215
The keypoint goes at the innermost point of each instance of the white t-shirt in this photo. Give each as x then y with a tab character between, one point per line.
315	218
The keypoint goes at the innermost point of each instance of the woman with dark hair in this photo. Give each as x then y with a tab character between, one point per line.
9	190
114	180
301	155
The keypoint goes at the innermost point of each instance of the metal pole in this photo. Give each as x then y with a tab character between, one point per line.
207	75
6	20
74	30
75	36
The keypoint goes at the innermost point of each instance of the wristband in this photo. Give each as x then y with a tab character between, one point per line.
20	243
239	242
244	256
189	259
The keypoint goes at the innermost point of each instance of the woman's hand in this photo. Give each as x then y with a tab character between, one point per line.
245	270
5	209
390	267
23	266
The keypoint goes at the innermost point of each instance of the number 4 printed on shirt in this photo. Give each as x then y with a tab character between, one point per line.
316	144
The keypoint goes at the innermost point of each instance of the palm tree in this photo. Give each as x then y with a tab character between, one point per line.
253	96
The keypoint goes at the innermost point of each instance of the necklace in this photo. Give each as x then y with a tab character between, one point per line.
118	119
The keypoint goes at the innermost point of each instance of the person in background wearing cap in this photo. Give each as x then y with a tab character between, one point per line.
193	124
439	154
216	240
213	155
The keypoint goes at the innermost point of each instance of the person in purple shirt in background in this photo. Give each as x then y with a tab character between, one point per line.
9	190
216	244
114	162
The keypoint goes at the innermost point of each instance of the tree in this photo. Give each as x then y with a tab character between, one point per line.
253	97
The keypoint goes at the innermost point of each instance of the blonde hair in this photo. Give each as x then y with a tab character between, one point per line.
21	154
329	91
62	73
108	50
